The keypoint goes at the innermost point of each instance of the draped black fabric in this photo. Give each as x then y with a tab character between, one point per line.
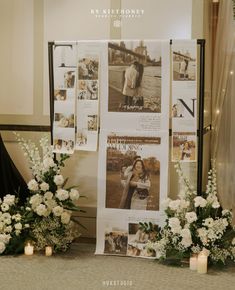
11	181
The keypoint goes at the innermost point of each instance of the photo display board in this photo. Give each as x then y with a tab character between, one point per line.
127	90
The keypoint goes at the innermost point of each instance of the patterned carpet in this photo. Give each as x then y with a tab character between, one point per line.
80	269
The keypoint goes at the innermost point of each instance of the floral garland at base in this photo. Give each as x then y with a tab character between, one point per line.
194	224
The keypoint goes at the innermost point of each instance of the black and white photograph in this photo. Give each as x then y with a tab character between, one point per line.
92	122
64	120
137	240
87	90
88	68
184	63
116	242
134	76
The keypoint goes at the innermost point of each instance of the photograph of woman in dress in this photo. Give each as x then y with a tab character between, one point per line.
136	190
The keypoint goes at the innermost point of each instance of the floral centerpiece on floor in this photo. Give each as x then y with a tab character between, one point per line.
194	224
49	208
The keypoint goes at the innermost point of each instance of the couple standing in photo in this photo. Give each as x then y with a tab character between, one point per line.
132	90
136	184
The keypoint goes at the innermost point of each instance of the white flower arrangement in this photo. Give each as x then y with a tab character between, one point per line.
50	203
11	224
194	224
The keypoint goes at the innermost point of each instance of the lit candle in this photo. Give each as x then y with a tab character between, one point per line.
193	262
48	251
202	263
28	249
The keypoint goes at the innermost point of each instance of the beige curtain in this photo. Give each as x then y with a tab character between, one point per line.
223	105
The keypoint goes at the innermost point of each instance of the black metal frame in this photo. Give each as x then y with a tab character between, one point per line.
201	130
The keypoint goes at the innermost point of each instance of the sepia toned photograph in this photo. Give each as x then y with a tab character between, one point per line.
81	139
184	146
92	122
137	240
64	120
115	242
87	90
184	64
60	145
132	173
60	95
88	68
134	76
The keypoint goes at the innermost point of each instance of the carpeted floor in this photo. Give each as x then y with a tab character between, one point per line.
80	269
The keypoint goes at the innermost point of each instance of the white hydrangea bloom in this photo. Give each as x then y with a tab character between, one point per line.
191	217
9	199
33	185
200	201
58	179
74	194
44	186
62	194
58	210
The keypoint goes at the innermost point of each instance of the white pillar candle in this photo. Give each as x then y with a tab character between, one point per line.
193	263
48	251
202	263
28	250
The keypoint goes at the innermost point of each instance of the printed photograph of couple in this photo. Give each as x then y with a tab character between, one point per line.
184	64
60	145
134	76
137	240
64	120
64	78
115	242
184	146
88	68
87	90
132	173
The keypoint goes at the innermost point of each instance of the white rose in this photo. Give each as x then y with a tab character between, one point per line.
51	203
174	204
44	186
41	209
48	162
35	200
33	185
184	203
65	218
58	210
9	199
6	218
58	179
48	196
2	247
74	194
62	194
185	233
191	217
199	201
174	224
5	207
18	226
